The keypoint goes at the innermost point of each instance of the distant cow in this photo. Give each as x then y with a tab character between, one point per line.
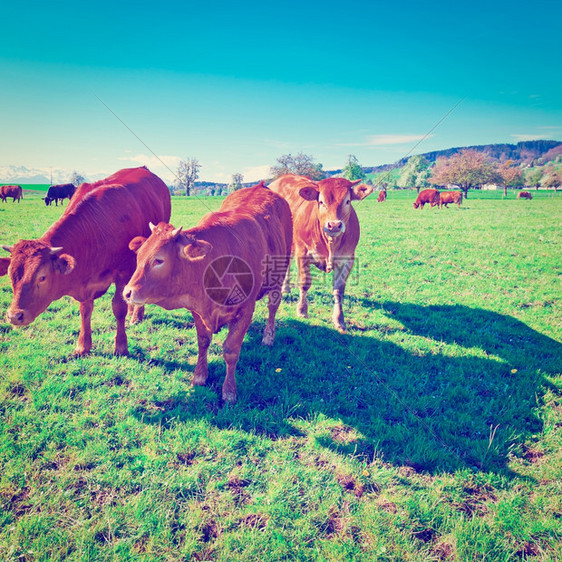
218	270
325	232
430	196
524	195
13	191
382	196
87	250
59	192
446	197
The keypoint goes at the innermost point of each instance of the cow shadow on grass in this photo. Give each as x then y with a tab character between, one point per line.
452	387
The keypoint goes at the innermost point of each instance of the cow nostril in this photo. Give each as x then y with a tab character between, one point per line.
127	294
15	317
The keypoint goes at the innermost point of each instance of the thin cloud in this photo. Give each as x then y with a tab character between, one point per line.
151	161
520	137
385	140
256	173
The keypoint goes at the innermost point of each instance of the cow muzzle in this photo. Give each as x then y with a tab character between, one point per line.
132	297
334	228
18	317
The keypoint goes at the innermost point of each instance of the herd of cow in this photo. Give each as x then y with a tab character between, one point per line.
55	193
117	231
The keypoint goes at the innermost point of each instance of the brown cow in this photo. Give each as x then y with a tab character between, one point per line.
382	196
446	197
218	270
325	232
13	191
87	250
430	196
524	195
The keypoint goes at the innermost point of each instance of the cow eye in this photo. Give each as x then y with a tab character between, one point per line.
348	202
42	278
157	262
321	203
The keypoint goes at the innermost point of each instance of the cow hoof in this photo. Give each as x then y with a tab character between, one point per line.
268	337
229	397
121	352
340	328
302	313
81	352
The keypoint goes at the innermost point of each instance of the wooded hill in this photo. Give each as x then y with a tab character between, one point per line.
529	153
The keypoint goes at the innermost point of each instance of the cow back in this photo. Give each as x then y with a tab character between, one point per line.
253	224
103	217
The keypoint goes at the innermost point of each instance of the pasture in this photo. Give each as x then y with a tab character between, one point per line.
432	430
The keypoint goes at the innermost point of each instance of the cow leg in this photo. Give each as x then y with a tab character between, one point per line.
204	337
274	300
85	337
136	313
231	351
120	312
342	268
286	289
305	281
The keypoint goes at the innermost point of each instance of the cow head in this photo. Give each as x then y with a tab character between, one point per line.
47	200
160	262
334	197
35	271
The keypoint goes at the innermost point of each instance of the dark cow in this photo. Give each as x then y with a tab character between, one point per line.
325	232
218	270
446	197
87	250
13	191
430	196
382	196
524	195
59	192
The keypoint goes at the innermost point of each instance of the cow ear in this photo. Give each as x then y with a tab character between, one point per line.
196	250
136	243
359	192
64	264
4	264
309	193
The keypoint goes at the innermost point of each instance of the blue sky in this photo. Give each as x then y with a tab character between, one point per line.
237	84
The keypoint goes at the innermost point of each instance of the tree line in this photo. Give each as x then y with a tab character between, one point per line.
465	170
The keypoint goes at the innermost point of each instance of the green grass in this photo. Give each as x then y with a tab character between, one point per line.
431	431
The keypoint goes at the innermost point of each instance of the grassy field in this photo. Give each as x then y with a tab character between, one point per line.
431	431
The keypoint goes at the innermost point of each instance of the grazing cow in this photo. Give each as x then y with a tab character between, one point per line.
382	196
218	270
325	232
58	193
430	196
524	195
446	197
13	191
87	250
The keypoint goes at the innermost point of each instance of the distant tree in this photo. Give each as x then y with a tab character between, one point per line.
510	175
353	170
76	178
187	174
533	177
301	164
466	169
552	178
236	182
415	173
